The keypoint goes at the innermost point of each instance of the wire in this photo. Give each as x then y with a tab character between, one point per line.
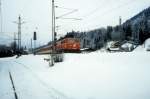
114	9
72	18
67	14
65	8
6	35
94	10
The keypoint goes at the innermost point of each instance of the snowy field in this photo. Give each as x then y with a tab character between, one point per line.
96	75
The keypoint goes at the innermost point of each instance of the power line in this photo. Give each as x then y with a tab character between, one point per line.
6	40
67	14
99	7
94	10
114	9
71	11
65	8
6	35
72	18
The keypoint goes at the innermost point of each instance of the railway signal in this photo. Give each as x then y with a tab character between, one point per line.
55	36
34	38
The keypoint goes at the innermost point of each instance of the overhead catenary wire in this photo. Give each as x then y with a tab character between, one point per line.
65	8
99	8
5	35
67	14
72	18
5	38
70	11
111	10
87	15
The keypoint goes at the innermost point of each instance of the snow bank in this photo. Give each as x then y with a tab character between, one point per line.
147	44
144	47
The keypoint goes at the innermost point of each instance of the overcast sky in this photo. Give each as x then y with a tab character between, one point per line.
37	15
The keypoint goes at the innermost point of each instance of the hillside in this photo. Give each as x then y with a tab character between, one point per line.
138	27
140	16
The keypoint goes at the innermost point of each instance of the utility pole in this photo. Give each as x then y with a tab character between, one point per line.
53	32
120	28
19	23
54	27
1	17
14	37
19	32
15	45
31	46
120	21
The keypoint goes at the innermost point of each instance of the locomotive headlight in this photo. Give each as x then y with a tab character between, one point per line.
74	45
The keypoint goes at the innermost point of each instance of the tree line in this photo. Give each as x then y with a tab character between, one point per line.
136	29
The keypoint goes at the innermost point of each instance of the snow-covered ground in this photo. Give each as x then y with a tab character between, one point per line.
144	47
96	75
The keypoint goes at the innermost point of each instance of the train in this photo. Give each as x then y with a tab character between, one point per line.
67	45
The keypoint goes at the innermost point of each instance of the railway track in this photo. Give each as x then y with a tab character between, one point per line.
55	93
17	91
